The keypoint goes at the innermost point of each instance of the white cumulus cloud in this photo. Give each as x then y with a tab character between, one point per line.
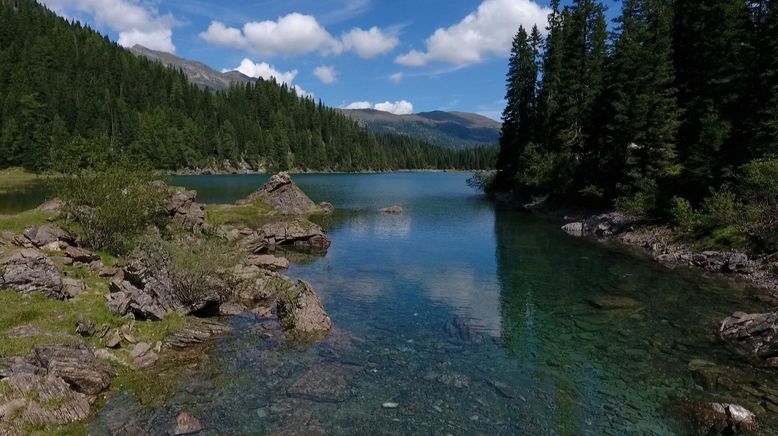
360	105
368	44
326	74
297	34
136	22
266	71
486	32
401	107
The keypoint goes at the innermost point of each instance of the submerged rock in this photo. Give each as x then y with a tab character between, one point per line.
323	383
612	302
461	330
300	310
30	271
392	210
753	335
187	424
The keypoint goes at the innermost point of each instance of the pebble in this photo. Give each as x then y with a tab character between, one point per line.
390	405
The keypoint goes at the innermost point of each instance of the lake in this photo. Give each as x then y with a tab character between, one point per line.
459	317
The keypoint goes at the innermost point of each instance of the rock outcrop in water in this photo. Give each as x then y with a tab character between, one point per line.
300	310
753	335
713	419
281	193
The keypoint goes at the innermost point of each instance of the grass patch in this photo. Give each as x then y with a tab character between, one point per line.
254	214
16	223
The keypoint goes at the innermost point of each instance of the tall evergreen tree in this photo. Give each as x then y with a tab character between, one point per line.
644	112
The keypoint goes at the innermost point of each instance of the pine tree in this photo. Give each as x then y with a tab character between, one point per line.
519	116
644	113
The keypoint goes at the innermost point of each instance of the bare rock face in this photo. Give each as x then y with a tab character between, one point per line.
285	196
753	335
299	233
301	311
80	255
48	233
30	271
31	399
185	209
76	365
710	419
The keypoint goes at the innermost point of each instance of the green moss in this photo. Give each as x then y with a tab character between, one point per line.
16	223
724	238
254	214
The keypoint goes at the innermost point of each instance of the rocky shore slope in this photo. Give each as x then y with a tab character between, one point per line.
63	372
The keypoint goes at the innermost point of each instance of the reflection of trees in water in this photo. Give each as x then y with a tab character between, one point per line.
537	333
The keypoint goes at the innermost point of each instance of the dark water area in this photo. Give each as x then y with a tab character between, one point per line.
460	318
23	197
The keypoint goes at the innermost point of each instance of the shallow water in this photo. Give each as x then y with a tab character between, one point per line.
532	355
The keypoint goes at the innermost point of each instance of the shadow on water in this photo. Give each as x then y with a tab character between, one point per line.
459	318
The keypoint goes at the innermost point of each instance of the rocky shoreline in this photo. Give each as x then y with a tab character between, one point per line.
58	382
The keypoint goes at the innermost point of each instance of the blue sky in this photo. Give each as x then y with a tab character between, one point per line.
394	55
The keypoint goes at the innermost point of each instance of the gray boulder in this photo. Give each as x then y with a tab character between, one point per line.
300	310
284	196
48	233
299	233
30	271
77	365
185	209
753	335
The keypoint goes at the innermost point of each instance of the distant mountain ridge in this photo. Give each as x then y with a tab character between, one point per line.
446	129
197	72
454	130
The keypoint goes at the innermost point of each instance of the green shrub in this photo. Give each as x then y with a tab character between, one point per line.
195	266
684	215
759	181
539	170
638	204
482	180
113	207
722	209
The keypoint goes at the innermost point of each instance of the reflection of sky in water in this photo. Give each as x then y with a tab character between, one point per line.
396	280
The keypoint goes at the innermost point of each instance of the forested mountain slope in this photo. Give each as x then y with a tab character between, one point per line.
446	129
70	98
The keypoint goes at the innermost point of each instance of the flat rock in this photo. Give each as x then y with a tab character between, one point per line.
268	261
42	400
30	271
323	383
196	332
76	365
754	335
80	254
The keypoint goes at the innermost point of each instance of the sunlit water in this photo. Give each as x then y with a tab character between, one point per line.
540	358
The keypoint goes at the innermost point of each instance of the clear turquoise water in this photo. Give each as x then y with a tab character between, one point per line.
392	283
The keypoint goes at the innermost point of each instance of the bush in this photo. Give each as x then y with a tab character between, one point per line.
759	181
639	204
482	180
196	267
684	215
723	209
113	207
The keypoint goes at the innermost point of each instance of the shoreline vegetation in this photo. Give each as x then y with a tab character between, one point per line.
121	281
